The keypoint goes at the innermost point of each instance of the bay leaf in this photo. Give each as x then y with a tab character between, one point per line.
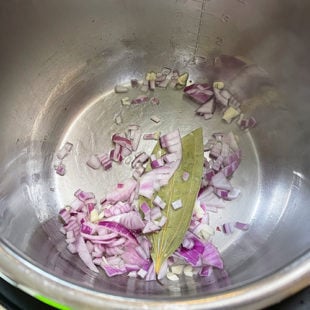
169	238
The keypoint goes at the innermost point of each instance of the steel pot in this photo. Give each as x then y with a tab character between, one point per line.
59	61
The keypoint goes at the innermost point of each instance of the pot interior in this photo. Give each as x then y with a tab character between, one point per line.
60	62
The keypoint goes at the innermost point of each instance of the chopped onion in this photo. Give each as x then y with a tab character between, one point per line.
118	228
233	194
72	248
116	153
144	89
170	158
60	169
122	141
210	143
205	271
131	220
134	83
219	181
177	204
222	193
206	108
185	176
247	123
140	99
118	208
230	169
155	119
152	85
218	163
139	170
172	277
170	139
155	213
112	271
157	163
216	150
105	161
84	254
162	221
112	235
150	227
83	196
158	202
118	119
164	83
64	151
120	89
165	71
152	136
230	113
65	215
242	226
125	101
218	85
220	98
227	228
199	93
233	102
154	100
122	194
188	271
93	162
140	158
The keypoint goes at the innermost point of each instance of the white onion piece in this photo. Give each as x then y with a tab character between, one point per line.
125	101
93	162
177	204
155	119
64	151
136	139
172	277
158	202
120	89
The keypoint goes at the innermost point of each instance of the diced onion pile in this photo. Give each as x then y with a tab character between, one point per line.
211	97
112	234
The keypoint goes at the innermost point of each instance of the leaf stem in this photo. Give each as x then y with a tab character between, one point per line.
158	281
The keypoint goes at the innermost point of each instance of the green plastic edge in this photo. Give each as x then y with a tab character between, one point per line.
52	303
33	294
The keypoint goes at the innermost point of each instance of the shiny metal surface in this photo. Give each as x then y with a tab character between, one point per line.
59	63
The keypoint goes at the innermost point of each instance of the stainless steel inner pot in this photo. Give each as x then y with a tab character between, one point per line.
59	62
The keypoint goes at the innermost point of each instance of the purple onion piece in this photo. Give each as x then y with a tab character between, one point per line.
118	228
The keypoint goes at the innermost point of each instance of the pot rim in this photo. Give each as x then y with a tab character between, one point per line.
259	294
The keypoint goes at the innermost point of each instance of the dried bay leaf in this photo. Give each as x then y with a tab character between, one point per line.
169	238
